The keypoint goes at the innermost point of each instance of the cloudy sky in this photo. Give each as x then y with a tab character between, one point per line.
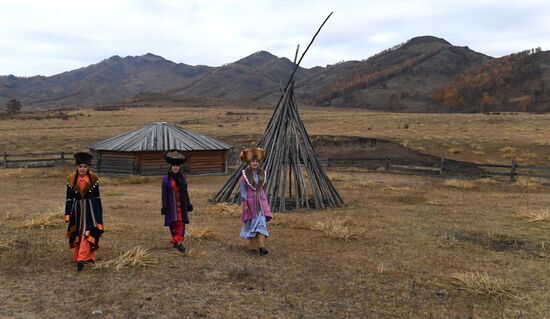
49	37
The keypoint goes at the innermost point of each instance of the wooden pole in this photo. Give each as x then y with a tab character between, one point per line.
290	179
5	159
303	54
513	171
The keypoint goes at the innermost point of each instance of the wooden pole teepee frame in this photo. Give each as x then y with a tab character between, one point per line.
290	156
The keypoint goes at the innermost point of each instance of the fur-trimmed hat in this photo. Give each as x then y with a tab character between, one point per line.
175	157
249	154
83	158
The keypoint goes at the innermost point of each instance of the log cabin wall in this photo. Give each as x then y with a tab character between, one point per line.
153	163
200	162
114	162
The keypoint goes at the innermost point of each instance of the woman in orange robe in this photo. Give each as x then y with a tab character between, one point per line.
83	211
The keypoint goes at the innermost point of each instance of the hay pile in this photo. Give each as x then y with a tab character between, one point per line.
135	257
54	217
224	209
199	233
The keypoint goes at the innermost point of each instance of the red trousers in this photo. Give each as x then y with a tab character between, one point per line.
177	229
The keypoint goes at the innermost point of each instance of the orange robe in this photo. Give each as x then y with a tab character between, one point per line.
82	248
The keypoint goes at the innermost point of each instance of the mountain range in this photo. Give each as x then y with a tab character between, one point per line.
423	74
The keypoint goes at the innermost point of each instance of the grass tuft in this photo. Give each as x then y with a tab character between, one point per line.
459	183
531	216
6	244
54	217
508	150
341	229
381	268
482	285
528	183
135	257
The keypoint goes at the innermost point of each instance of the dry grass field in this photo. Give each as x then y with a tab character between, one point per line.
403	246
473	137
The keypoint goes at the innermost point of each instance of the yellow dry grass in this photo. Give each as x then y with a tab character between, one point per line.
398	188
435	133
528	182
194	252
292	220
6	244
117	227
53	217
16	172
534	215
412	198
128	180
482	285
140	179
459	183
486	181
224	209
401	251
199	233
341	229
478	152
526	157
508	150
135	257
113	193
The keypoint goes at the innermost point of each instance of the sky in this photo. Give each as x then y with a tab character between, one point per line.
50	37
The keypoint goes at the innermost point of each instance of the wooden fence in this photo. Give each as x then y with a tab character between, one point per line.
511	170
35	159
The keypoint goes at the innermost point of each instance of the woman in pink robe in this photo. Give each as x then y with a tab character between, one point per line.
255	207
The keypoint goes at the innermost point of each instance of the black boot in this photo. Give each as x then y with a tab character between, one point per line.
80	266
181	247
263	251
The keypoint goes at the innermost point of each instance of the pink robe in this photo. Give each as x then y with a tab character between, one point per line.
255	199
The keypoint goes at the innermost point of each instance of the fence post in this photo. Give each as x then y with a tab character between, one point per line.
62	157
442	167
5	159
386	164
513	171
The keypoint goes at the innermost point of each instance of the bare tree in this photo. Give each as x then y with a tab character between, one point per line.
13	106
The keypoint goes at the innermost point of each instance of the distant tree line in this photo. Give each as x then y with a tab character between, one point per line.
367	75
386	51
489	86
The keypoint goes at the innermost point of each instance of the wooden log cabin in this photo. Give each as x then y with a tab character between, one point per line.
141	152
